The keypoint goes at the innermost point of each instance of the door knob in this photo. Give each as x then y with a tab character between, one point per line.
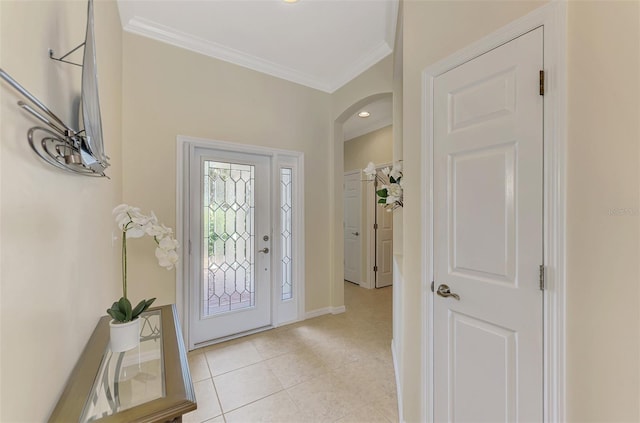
264	250
355	233
444	291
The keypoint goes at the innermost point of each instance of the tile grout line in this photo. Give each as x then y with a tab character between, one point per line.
215	388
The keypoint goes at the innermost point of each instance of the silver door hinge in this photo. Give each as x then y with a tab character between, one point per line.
433	283
541	82
543	280
375	268
375	226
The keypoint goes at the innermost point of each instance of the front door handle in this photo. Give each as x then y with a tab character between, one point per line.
264	250
444	291
355	233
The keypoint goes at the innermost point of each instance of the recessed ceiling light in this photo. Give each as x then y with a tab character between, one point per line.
290	1
364	114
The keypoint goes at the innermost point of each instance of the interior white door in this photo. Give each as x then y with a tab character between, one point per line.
488	246
384	247
352	227
230	233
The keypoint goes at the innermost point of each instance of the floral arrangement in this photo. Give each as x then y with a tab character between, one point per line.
134	224
390	180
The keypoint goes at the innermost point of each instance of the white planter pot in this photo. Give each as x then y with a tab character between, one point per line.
124	336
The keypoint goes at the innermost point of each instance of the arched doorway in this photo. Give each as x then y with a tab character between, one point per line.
337	202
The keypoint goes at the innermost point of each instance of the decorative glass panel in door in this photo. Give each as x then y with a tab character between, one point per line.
231	214
286	233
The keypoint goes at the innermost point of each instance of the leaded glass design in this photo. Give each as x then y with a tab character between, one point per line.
286	232
229	237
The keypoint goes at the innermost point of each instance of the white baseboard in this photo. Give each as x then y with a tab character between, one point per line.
396	370
338	310
325	310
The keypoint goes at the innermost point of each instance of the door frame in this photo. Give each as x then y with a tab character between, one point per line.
552	17
282	312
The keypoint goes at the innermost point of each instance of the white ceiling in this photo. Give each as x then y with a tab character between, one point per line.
322	44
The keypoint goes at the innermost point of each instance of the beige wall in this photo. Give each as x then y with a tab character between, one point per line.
377	79
603	322
373	147
397	124
376	147
59	271
167	92
602	174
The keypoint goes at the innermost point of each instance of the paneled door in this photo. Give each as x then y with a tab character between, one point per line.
384	246
488	245
231	257
352	227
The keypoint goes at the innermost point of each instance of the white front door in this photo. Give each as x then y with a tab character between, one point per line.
488	246
231	241
352	229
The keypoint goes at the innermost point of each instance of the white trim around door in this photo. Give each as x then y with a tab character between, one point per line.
552	17
287	244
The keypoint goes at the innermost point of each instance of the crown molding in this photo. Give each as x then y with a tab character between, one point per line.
378	53
393	7
165	34
159	32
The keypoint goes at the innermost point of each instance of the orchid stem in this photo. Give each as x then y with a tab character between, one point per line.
124	263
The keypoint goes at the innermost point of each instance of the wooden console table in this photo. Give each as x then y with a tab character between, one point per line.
150	383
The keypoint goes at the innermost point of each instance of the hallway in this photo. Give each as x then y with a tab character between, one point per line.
333	368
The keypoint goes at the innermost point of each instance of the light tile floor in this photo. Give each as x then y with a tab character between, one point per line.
333	368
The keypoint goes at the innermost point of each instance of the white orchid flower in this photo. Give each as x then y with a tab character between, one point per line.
122	208
166	258
168	244
124	214
142	220
370	170
394	193
389	193
157	231
396	172
134	224
135	231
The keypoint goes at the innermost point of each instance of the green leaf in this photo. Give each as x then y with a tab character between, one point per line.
138	309
393	181
148	303
125	307
141	307
382	192
116	315
382	201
